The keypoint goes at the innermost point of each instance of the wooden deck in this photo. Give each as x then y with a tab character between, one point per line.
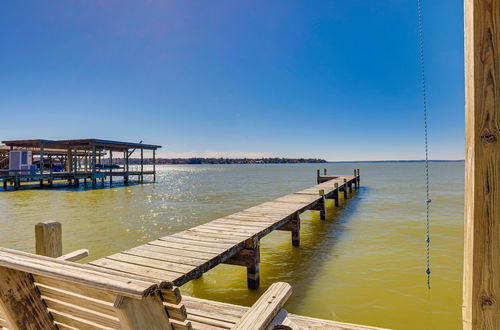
213	315
233	239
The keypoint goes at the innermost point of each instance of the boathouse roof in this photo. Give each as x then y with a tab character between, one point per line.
79	143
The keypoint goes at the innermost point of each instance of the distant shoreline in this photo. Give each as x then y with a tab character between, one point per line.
220	161
202	161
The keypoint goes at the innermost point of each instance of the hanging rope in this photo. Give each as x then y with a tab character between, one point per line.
424	101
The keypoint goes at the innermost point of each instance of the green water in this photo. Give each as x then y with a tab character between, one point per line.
365	264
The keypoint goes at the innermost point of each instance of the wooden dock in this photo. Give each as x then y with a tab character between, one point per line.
138	288
233	239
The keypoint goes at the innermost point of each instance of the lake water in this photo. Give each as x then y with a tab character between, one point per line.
365	264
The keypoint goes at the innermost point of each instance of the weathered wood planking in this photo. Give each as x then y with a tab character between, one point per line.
186	255
208	314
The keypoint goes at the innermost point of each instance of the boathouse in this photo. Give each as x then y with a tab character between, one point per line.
72	161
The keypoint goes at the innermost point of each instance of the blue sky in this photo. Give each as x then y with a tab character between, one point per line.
332	79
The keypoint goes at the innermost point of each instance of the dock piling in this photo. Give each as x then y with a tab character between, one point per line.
345	189
295	224
253	270
336	194
322	205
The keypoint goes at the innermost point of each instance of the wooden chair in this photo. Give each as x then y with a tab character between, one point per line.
38	292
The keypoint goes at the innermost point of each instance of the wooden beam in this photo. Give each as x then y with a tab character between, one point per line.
481	296
145	313
21	303
75	255
260	315
48	239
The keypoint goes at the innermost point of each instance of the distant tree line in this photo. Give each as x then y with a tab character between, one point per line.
275	160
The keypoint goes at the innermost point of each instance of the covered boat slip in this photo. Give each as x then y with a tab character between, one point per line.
74	161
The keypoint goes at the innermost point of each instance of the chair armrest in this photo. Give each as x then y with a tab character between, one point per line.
75	255
260	315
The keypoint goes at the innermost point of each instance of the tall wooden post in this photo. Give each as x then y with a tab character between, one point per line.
481	296
48	239
318	177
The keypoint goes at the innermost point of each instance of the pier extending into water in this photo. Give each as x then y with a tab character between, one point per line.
72	162
138	288
233	239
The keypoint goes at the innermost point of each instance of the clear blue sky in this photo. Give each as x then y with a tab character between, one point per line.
332	79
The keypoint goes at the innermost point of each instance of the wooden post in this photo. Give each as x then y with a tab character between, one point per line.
345	188
481	296
75	167
295	222
51	170
111	168
336	195
48	239
322	210
154	165
69	157
94	160
324	171
146	313
86	161
253	271
350	187
41	165
293	226
142	165
21	303
125	166
318	177
358	179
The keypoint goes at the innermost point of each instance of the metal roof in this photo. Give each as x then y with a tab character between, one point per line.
79	143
